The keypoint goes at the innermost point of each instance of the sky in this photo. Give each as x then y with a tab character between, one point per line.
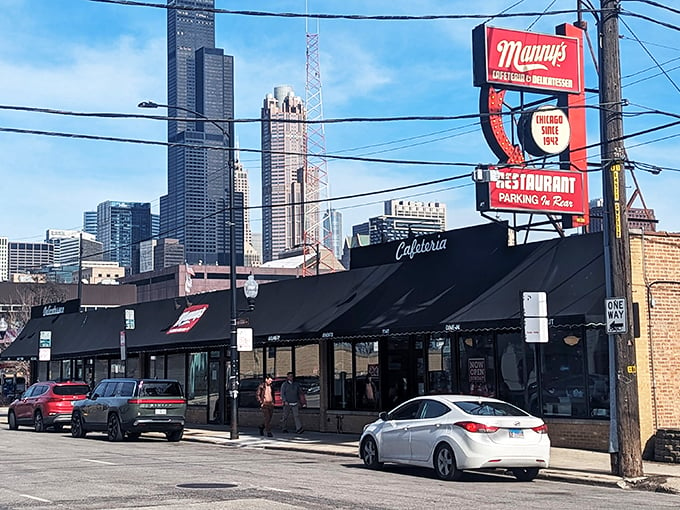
91	57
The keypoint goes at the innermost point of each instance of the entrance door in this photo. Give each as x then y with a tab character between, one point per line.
214	400
399	372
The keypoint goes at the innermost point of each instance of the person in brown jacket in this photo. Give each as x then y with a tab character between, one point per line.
265	396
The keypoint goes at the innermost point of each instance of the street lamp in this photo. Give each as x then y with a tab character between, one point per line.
233	346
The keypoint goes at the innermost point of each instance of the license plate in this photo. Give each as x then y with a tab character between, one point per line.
516	433
161	411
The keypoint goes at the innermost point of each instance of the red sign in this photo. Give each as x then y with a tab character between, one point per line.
189	318
526	60
532	190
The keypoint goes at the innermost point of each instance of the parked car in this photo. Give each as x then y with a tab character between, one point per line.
130	407
46	405
452	433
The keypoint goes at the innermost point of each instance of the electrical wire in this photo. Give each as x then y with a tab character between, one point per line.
336	16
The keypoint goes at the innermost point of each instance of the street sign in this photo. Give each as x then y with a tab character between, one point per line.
535	317
244	339
45	339
616	316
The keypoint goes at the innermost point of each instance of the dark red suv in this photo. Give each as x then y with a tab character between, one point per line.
46	404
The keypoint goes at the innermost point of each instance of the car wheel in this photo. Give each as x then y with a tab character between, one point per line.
525	474
445	463
369	453
175	435
114	432
38	423
77	429
12	421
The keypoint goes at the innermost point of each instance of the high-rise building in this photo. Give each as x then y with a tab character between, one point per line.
4	259
284	147
241	185
90	222
121	226
384	229
29	257
332	222
436	210
200	79
67	250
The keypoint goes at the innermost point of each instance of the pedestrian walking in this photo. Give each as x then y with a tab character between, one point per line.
265	396
291	396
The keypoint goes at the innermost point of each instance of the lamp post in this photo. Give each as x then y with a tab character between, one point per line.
233	349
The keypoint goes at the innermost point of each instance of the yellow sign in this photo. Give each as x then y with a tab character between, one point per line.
631	369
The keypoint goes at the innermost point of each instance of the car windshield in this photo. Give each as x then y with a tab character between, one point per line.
489	408
71	389
160	389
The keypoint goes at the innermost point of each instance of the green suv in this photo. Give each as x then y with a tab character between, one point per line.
130	407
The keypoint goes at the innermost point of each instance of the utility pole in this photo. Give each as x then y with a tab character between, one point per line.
625	446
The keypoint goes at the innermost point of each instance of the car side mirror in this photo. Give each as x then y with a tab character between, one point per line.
383	416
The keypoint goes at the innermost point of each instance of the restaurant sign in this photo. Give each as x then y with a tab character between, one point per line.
523	189
526	60
188	319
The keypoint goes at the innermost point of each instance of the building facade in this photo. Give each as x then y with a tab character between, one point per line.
383	229
200	84
121	227
4	259
29	257
284	146
433	210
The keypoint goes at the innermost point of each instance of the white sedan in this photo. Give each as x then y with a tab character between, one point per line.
455	432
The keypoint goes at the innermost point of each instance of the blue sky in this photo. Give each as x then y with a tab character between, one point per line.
84	56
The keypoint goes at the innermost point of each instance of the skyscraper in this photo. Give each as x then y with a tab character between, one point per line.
332	222
121	227
284	146
200	79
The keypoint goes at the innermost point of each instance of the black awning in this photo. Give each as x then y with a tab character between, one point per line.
570	270
419	295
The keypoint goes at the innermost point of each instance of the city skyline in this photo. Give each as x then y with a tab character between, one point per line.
108	58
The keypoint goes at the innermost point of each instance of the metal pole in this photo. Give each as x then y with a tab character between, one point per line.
234	354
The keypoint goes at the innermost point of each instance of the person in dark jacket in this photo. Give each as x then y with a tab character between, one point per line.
290	396
265	396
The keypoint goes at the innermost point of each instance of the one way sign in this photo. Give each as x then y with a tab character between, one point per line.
617	316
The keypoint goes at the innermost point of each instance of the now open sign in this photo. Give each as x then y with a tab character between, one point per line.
616	315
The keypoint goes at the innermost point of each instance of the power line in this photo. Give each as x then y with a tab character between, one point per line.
655	4
339	16
651	56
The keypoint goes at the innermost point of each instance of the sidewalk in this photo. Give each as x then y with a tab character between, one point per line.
576	466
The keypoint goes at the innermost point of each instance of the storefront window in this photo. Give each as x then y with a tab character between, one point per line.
477	367
117	368
101	370
563	374
517	377
176	369
66	370
279	361
197	390
367	376
307	373
341	391
440	378
597	346
132	366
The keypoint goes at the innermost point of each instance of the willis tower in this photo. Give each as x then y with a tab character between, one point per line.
200	79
